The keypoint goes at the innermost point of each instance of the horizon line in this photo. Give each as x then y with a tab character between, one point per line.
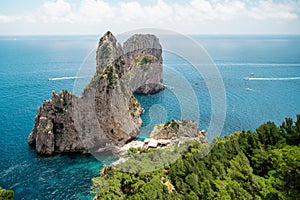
202	34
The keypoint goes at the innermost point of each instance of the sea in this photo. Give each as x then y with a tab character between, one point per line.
270	93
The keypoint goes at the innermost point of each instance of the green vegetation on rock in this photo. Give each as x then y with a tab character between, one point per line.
108	73
134	103
144	59
264	164
6	194
171	124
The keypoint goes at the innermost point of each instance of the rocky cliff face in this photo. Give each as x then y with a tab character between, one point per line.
107	113
143	54
54	130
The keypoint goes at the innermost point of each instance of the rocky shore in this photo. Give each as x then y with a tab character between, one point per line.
165	135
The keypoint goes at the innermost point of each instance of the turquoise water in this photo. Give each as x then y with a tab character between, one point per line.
26	63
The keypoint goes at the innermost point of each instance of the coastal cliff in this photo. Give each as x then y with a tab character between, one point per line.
107	113
143	54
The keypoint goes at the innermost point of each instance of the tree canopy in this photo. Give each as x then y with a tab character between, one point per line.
6	194
264	164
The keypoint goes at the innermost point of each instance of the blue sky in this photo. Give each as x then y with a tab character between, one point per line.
35	17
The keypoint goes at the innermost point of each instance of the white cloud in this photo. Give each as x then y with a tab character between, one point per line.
201	10
56	12
10	19
270	10
7	19
149	15
160	11
231	10
130	11
134	14
93	11
59	8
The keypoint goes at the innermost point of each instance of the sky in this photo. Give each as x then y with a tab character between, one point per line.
78	17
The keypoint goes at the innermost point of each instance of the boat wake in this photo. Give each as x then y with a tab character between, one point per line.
271	79
243	64
260	64
67	78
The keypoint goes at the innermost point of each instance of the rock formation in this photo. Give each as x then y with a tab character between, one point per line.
107	113
176	129
54	129
166	134
143	53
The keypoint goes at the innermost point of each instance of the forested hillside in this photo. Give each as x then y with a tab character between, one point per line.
264	164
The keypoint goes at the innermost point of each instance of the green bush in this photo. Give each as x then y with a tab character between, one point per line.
6	194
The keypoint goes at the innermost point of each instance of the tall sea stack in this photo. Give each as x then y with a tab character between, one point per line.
107	113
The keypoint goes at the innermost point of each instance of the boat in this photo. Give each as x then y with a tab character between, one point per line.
248	89
251	73
246	78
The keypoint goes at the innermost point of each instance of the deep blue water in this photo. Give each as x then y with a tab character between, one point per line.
27	62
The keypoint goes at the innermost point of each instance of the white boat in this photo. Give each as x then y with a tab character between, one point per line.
251	73
248	89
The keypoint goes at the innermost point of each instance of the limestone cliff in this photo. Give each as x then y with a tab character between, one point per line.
143	53
107	113
54	129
